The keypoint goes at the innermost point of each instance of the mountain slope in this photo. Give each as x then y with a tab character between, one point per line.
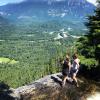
39	12
49	9
6	28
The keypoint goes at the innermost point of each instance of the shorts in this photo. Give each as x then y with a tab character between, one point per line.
74	71
65	72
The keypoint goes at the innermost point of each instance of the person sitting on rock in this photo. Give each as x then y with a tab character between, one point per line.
66	69
75	68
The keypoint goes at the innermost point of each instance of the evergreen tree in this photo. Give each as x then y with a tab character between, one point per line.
90	43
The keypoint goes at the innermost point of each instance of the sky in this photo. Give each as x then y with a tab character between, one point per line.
4	2
92	1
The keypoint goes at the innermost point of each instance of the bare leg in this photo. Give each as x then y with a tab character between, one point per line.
75	79
64	80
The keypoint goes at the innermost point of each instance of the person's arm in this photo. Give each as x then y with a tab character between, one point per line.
77	62
69	66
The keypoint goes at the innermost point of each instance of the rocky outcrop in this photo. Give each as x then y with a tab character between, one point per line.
49	88
42	88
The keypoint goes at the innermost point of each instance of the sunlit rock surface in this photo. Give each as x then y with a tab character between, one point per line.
50	88
95	96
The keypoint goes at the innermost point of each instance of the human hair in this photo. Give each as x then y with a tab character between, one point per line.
75	56
67	57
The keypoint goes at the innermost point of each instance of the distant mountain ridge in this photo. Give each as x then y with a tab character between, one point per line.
44	11
49	9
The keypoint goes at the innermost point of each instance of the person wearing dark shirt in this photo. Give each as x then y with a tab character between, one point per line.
66	69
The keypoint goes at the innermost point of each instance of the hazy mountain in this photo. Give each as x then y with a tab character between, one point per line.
5	27
48	9
30	11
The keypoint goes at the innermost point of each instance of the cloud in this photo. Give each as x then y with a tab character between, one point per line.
57	13
63	14
24	17
4	14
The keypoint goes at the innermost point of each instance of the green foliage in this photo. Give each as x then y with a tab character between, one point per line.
7	61
37	55
90	62
89	45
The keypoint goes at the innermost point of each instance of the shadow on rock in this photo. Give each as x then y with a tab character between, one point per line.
56	80
5	92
